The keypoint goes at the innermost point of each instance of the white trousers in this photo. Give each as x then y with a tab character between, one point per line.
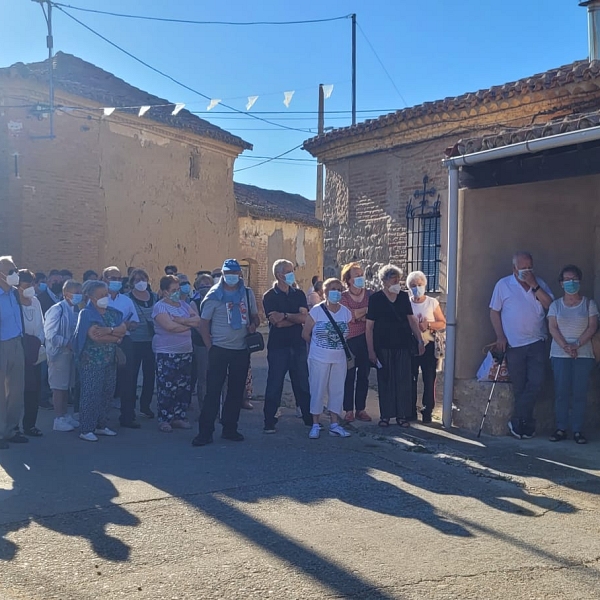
326	378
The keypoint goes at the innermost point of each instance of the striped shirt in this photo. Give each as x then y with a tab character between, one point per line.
572	321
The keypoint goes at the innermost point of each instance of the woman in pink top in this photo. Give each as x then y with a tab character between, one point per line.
356	299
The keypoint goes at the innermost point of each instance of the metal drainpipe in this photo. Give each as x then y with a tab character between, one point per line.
452	269
593	10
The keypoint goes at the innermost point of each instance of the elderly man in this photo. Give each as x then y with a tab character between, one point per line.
51	295
228	314
286	309
518	314
59	327
125	390
12	358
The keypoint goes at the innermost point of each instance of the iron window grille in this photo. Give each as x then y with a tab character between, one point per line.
423	234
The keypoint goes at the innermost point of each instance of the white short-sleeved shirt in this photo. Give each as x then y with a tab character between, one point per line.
572	321
124	304
425	311
522	314
325	343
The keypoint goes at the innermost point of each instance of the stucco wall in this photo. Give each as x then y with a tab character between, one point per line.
112	191
263	241
558	222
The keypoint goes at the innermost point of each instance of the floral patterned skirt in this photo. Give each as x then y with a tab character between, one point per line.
173	385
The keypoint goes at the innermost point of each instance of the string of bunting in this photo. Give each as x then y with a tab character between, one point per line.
214	102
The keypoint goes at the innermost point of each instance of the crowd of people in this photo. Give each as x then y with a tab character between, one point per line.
88	341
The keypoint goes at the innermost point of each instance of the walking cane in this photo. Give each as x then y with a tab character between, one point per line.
500	361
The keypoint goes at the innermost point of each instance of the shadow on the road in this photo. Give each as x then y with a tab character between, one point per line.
90	524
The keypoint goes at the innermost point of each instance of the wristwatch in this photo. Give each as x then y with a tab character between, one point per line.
112	330
285	316
536	289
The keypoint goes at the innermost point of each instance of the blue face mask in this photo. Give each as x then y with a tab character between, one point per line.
334	296
175	296
231	279
43	287
290	278
359	282
185	288
76	298
115	286
571	287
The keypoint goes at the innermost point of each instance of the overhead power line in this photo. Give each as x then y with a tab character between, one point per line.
382	65
193	22
264	162
170	78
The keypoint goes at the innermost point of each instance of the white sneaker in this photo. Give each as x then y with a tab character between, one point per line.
315	432
337	430
88	437
105	431
62	424
71	420
278	413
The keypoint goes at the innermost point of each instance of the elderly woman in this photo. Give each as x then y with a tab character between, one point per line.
356	300
99	330
33	340
172	343
141	337
390	329
327	363
429	314
572	320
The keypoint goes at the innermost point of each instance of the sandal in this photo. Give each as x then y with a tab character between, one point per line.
558	436
579	438
165	428
33	432
384	422
402	422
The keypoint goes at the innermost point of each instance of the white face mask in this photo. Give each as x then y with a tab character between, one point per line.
395	289
12	279
29	292
103	302
141	286
418	291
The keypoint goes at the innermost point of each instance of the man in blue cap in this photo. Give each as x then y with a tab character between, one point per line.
228	314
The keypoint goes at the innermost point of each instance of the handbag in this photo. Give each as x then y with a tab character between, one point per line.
31	346
255	342
491	369
350	359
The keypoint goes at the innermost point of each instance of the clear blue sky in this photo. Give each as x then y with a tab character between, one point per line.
432	49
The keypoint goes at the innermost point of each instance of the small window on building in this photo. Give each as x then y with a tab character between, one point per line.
423	235
194	165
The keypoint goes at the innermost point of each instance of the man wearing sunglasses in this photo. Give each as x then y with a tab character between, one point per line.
12	358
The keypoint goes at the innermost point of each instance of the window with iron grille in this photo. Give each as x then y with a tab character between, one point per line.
423	234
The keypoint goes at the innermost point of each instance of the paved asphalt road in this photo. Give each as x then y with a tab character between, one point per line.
429	515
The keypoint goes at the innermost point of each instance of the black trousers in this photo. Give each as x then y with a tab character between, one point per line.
224	364
125	389
427	363
143	356
31	395
356	387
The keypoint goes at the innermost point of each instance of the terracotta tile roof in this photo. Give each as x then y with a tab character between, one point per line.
80	78
573	122
274	204
579	71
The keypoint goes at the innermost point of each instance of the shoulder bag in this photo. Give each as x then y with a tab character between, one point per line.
255	342
350	359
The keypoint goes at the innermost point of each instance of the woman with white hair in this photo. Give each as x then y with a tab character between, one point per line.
391	326
431	319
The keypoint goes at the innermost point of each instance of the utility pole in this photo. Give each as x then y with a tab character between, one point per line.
50	45
353	69
319	203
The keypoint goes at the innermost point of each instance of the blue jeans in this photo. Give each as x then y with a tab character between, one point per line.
526	367
282	360
571	379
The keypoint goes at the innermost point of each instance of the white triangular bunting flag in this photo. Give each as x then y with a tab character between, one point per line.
327	90
287	98
213	103
108	111
143	110
177	108
251	101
